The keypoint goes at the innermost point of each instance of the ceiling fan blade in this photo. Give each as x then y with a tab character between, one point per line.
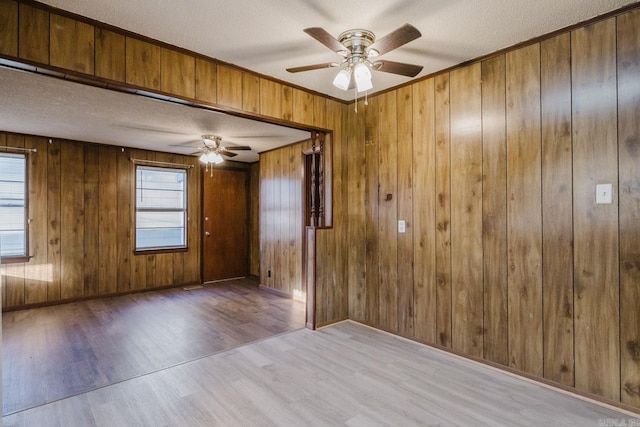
401	68
394	40
237	147
227	153
312	67
327	39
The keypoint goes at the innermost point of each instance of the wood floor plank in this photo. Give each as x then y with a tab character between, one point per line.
324	377
54	352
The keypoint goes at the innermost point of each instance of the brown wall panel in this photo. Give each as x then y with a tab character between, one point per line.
494	209
108	219
229	87
33	34
466	209
388	211
178	73
91	220
36	270
302	107
595	161
442	233
254	219
424	210
72	44
372	203
405	261
206	81
9	27
524	222
110	55
250	93
72	220
54	191
142	62
270	98
629	159
286	112
557	220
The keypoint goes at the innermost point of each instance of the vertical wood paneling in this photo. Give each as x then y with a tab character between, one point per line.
388	211
126	182
320	111
192	260
302	107
371	202
72	219
206	81
557	221
524	228
254	219
54	289
405	177
424	210
33	34
9	27
595	161
229	87
270	98
250	93
92	224
629	159
109	55
178	73
466	210
356	185
72	44
36	270
443	211
287	103
142	64
494	210
108	219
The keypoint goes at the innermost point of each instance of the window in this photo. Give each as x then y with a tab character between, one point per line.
161	213
13	211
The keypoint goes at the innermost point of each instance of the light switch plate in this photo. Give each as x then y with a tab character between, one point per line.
604	194
402	226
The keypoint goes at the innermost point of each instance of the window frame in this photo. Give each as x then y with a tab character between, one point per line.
12	259
185	211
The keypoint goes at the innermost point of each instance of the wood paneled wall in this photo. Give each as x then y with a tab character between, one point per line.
494	166
81	236
36	35
254	219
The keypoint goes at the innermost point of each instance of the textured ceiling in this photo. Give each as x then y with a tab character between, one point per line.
266	37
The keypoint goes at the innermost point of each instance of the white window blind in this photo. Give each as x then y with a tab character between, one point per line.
13	235
161	200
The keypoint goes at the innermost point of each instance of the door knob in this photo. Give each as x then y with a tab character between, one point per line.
206	233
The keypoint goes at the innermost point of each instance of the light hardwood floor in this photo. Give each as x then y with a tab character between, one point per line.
345	374
54	352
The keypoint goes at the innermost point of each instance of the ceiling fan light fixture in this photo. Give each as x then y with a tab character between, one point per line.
362	76
342	79
204	158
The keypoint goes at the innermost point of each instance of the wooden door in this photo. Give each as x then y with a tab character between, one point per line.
225	225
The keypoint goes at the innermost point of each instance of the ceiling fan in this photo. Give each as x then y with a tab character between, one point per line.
359	48
212	149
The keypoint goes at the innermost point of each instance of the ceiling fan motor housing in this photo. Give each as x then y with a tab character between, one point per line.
357	41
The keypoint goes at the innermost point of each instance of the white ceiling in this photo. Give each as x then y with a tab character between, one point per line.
266	37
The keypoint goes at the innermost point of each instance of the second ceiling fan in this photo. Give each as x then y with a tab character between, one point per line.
360	50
